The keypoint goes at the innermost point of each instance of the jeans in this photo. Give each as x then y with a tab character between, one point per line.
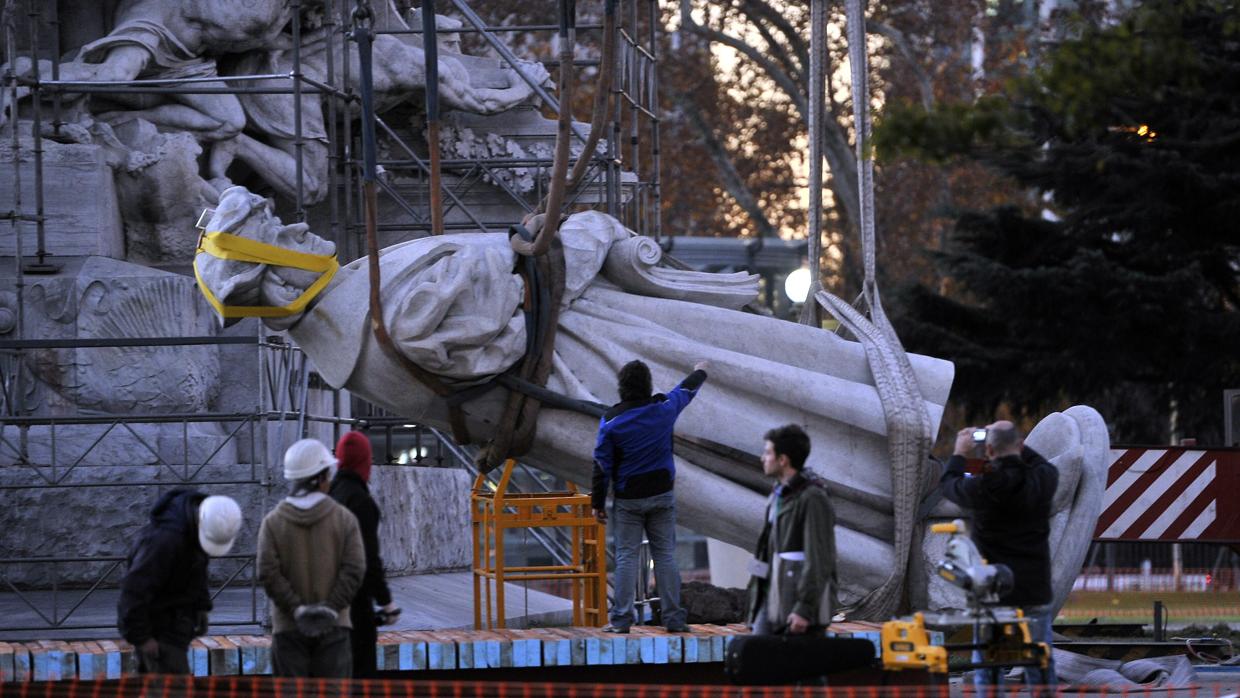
172	659
1040	619
327	656
990	681
656	516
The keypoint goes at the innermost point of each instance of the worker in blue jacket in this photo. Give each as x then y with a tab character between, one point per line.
633	454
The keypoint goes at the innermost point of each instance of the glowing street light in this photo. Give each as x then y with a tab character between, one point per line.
797	285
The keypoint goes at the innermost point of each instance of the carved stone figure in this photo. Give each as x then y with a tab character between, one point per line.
452	306
222	44
268	144
163	39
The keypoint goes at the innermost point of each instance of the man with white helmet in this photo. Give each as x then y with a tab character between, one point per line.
311	563
164	598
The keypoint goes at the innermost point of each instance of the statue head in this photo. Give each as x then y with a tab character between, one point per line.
240	281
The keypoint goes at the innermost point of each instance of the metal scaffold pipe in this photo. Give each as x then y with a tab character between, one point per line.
430	47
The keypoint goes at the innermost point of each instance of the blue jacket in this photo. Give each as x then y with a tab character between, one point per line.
634	446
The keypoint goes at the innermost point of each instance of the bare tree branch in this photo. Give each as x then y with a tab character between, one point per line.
793	69
781	78
794	37
733	182
902	46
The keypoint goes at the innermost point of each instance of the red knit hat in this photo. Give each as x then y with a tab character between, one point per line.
353	452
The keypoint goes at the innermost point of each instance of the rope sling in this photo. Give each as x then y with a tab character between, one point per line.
541	258
541	265
908	423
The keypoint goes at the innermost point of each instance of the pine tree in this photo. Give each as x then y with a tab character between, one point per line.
1117	282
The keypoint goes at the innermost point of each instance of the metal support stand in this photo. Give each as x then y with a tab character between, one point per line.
492	513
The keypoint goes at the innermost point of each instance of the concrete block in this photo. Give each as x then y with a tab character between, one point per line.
425	525
223	657
199	658
441	654
387	657
14	662
255	654
92	661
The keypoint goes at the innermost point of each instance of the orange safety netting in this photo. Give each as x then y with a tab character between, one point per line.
272	687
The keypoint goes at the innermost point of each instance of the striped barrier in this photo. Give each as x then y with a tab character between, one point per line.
250	655
1170	494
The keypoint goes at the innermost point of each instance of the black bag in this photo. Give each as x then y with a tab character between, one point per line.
772	660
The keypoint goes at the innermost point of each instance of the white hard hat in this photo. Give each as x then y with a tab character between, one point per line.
306	458
219	519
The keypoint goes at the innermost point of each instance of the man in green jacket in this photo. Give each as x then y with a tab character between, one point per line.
792	588
311	562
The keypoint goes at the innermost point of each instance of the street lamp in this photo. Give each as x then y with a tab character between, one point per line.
797	285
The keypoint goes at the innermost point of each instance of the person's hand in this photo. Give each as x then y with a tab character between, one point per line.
150	648
964	442
600	515
701	366
315	620
388	614
796	624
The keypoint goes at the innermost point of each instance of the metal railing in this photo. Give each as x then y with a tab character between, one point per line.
53	591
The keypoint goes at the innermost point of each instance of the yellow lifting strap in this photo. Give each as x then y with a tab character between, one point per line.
226	246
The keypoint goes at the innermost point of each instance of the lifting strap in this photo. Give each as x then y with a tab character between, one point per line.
541	264
239	249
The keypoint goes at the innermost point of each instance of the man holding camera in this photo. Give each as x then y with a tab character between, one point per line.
1011	504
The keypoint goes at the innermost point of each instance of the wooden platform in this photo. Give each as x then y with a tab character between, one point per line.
233	655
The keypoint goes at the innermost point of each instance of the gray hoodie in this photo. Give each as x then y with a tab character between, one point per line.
310	556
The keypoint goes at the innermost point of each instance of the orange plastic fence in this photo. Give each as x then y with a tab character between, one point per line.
268	687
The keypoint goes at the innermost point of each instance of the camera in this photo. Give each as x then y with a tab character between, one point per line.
979	436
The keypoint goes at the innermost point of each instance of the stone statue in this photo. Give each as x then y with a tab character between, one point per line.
452	306
209	39
268	143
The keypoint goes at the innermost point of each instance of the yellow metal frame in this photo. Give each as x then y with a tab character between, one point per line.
492	513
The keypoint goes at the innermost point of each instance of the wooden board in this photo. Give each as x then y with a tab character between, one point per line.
405	650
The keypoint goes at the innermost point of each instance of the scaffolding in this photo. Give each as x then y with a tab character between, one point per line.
626	173
290	401
61	592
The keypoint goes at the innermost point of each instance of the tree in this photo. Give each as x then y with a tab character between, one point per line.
1116	282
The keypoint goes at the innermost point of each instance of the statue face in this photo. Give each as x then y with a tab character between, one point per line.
235	282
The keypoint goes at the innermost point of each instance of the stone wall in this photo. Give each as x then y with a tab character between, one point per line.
82	216
97	508
425	525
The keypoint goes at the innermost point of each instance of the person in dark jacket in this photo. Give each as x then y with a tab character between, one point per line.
164	602
792	588
351	488
633	454
1011	505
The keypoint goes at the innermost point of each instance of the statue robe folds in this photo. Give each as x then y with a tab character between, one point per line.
451	304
